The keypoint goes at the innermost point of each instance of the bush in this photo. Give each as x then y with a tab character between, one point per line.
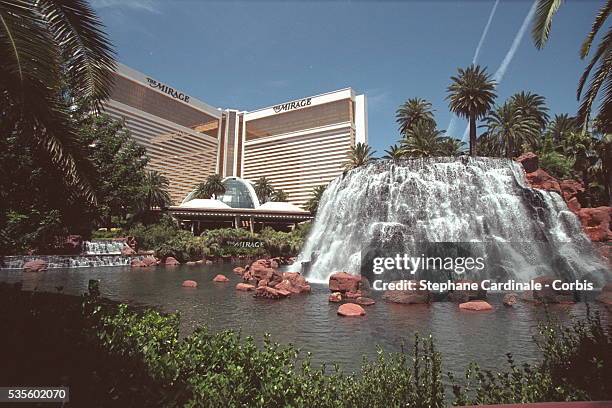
576	366
557	164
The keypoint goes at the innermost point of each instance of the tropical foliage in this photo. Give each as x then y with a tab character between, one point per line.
47	47
212	187
471	95
279	195
263	189
359	155
599	68
155	190
412	112
312	204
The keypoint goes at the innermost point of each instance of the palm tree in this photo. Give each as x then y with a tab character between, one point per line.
449	146
471	96
423	140
394	153
411	112
263	189
510	128
279	195
155	187
561	127
601	59
212	187
46	46
312	204
532	105
359	155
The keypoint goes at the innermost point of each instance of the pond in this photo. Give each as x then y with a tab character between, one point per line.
309	321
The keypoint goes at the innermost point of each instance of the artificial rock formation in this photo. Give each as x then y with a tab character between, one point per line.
351	310
36	265
408	297
146	261
344	282
245	287
190	284
220	278
171	261
476	305
264	273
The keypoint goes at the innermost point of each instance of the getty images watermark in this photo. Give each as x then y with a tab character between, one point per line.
402	269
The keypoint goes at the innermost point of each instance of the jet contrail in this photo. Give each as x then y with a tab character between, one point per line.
451	126
501	71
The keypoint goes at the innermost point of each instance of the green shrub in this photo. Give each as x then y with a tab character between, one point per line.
557	164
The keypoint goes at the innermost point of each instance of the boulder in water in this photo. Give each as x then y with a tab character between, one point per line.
146	261
190	284
239	270
35	265
335	297
344	282
220	278
353	295
510	299
364	301
529	161
245	287
408	297
476	305
294	282
171	261
351	310
270	293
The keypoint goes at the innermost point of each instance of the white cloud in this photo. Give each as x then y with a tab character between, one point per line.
145	5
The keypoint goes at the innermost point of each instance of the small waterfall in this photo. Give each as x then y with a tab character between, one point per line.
448	200
66	261
103	247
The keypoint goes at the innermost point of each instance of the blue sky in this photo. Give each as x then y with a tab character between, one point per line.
252	54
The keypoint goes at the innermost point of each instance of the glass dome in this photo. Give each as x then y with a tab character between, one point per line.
239	193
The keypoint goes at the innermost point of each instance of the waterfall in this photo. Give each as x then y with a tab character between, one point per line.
103	247
407	203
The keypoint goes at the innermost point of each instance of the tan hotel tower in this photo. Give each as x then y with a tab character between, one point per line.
296	145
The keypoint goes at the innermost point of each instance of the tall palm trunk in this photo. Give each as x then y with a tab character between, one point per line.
472	134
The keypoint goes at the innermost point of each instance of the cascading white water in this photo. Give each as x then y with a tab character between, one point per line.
103	247
447	200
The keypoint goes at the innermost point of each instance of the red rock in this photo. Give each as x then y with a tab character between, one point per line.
261	269
540	179
344	282
462	296
477	305
510	299
408	297
570	189
245	287
220	278
364	301
335	297
170	261
574	205
353	295
127	250
529	161
238	270
270	293
351	310
547	294
297	282
190	284
36	265
263	282
596	223
144	262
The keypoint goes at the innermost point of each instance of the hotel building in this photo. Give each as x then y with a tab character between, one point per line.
297	145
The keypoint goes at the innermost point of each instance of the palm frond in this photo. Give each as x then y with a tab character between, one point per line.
545	11
598	79
85	47
600	19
